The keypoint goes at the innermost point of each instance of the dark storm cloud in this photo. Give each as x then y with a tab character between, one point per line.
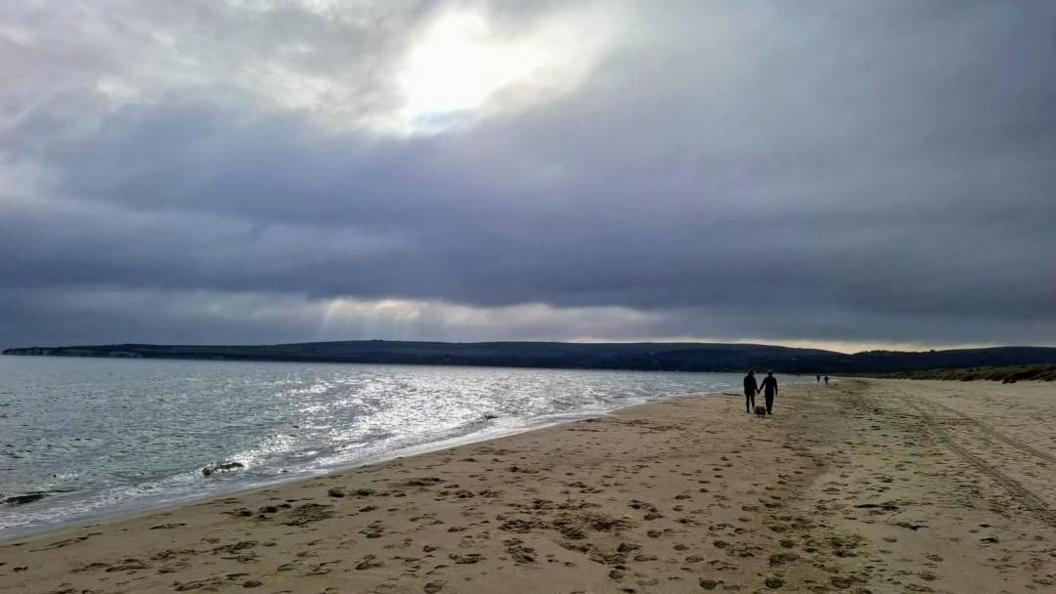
770	170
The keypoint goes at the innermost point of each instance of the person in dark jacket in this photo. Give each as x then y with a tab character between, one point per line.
750	390
769	390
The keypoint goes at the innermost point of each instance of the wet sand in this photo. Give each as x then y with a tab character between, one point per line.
863	486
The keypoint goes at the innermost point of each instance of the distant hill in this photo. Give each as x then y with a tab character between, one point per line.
563	355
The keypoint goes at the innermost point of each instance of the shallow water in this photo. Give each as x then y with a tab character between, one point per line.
107	436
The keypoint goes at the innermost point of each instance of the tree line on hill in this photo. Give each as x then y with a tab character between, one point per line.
631	356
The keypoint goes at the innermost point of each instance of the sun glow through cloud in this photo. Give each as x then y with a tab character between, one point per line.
455	67
463	61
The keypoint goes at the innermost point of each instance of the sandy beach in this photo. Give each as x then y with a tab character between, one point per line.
862	486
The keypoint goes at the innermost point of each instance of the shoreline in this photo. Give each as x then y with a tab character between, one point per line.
878	486
131	511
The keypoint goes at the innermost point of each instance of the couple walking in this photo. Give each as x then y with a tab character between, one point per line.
769	390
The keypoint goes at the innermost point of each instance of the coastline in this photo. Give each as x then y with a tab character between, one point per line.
862	486
282	423
134	509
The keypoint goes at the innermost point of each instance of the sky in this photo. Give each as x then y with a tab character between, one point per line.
849	175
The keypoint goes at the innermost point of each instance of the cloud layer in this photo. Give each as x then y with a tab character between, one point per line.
248	172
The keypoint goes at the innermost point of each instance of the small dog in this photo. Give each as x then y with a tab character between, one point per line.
760	410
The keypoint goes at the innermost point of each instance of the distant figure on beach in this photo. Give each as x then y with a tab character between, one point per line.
750	390
826	380
769	390
818	377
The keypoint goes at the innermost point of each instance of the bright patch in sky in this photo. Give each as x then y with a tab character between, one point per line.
462	62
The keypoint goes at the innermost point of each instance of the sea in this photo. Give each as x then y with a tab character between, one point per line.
83	439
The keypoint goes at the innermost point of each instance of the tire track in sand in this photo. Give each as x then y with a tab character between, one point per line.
1025	497
991	432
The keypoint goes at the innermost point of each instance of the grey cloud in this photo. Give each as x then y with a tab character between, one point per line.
787	171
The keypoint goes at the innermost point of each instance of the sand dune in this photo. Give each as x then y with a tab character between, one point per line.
864	486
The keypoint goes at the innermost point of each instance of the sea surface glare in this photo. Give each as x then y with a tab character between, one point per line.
99	437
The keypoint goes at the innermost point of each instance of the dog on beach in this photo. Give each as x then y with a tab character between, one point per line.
760	410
